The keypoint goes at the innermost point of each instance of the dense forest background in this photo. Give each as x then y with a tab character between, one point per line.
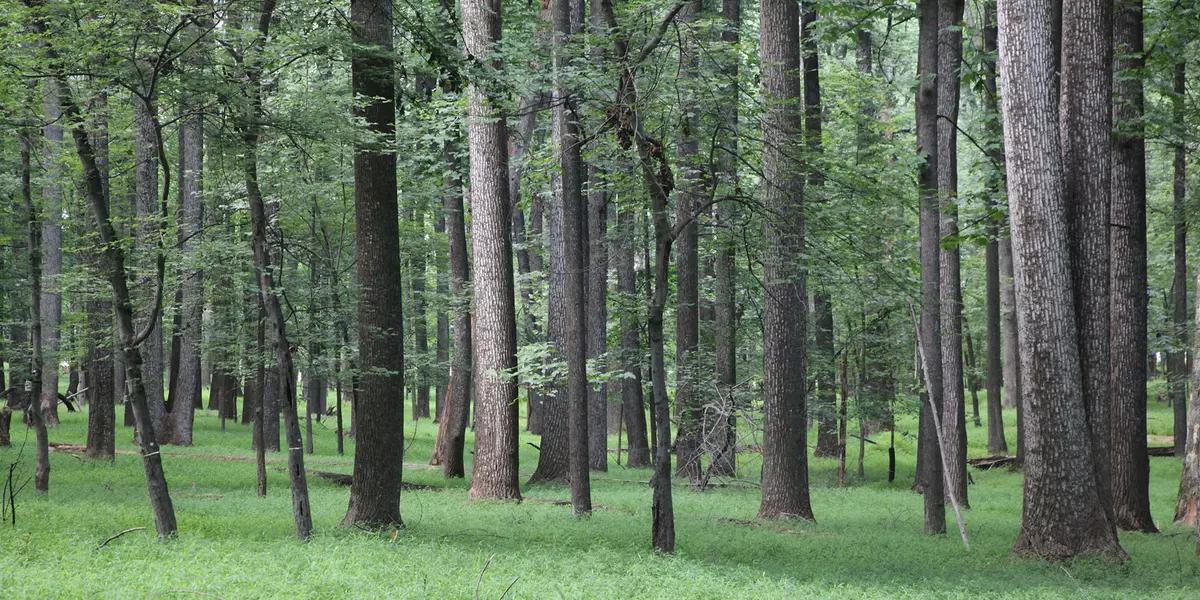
722	245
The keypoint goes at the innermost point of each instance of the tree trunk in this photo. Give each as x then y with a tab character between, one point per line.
954	422
114	253
633	405
1187	506
995	184
1064	512
573	205
929	472
186	394
785	448
33	410
378	409
1177	358
98	362
420	400
452	430
147	213
495	332
51	249
1130	463
724	462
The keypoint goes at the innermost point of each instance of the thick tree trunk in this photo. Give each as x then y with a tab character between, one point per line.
98	362
51	248
954	422
929	471
1130	463
1064	511
495	332
1177	358
785	448
378	409
1187	505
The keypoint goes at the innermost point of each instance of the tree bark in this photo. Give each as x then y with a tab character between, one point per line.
33	410
785	449
929	473
452	430
954	422
1064	511
378	409
633	405
51	248
147	214
1128	335
98	362
186	394
1187	505
495	327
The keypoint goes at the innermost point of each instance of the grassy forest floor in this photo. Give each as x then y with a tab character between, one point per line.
867	541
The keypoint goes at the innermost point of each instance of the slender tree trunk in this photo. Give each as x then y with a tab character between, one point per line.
51	249
971	369
1130	463
420	400
997	444
1064	512
724	462
452	430
101	432
567	142
597	281
442	345
929	472
633	405
186	393
378	409
785	448
33	412
1177	358
156	482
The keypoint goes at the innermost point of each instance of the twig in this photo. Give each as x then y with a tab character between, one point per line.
130	530
510	587
479	580
937	427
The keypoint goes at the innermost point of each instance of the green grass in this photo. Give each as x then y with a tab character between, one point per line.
867	541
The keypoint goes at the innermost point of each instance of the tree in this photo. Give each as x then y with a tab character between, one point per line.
1130	463
567	142
929	471
452	429
1177	359
785	460
1064	512
997	444
596	341
51	249
378	409
954	422
36	416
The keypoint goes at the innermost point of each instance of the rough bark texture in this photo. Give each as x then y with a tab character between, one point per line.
98	362
378	408
954	422
1130	463
929	470
1064	514
1086	138
495	331
597	317
785	449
